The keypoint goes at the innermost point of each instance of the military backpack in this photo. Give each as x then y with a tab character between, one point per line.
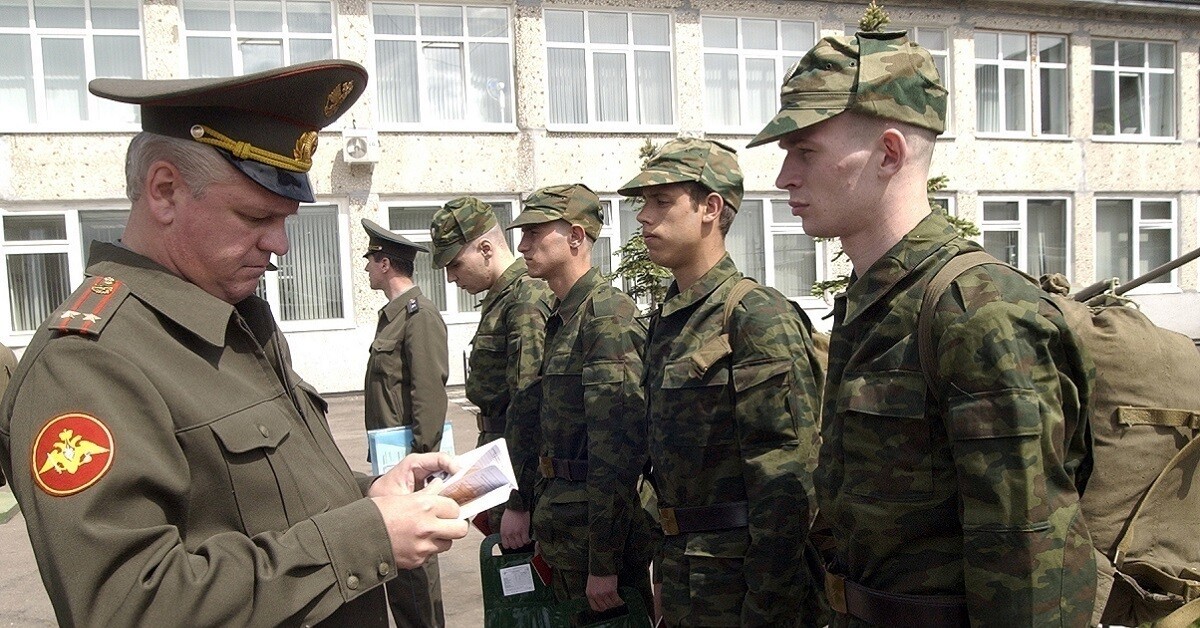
1141	508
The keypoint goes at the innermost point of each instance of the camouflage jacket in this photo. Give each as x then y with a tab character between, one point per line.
406	375
590	408
728	425
506	352
969	490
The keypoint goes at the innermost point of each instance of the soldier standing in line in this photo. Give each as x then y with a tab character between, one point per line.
957	502
406	386
732	407
506	352
8	365
589	429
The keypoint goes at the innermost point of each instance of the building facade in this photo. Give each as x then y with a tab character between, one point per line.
1072	137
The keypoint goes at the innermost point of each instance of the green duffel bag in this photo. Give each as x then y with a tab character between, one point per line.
522	606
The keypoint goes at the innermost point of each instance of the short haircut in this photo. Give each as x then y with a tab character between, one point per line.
199	164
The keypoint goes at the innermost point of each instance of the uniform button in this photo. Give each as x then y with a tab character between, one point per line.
384	569
262	429
352	582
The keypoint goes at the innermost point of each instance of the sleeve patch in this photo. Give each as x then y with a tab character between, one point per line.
72	452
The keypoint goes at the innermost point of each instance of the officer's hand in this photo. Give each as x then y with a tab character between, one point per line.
410	473
420	524
602	593
514	528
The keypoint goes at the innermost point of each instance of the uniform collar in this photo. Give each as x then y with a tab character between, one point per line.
925	239
400	303
566	308
708	282
515	271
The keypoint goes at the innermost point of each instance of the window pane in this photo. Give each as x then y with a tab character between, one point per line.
489	81
1014	100
58	13
608	28
66	84
16	79
987	45
564	25
258	15
761	90
394	19
1162	55
1154	250
36	285
34	228
467	302
101	226
994	211
444	81
719	32
1047	246
1052	49
1104	52
745	240
396	73
1054	101
114	14
309	17
1103	110
781	213
14	13
411	219
567	85
310	275
759	35
795	264
1014	47
987	97
1162	105
1131	54
651	29
1003	245
798	36
209	57
208	15
654	86
612	81
1114	246
487	21
438	20
431	281
260	54
627	209
1156	210
932	38
602	255
310	50
1130	99
117	56
721	90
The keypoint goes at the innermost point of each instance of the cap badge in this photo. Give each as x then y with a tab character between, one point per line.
306	145
74	450
337	96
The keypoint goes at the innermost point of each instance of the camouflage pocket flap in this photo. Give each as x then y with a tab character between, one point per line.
241	433
686	374
562	363
490	342
713	350
747	376
995	414
603	372
884	393
721	544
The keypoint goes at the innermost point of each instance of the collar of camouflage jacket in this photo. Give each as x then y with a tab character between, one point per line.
708	282
503	283
566	308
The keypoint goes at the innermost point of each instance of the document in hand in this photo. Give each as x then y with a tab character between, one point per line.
484	479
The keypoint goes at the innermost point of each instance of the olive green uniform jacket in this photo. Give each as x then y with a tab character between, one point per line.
8	365
227	501
969	489
406	373
734	420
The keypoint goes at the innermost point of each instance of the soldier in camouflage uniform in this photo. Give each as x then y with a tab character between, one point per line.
506	352
732	409
589	430
956	503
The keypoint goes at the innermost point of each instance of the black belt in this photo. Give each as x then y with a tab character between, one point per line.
703	518
489	424
573	470
894	609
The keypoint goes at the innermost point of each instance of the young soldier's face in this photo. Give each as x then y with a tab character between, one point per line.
672	224
469	270
546	247
825	175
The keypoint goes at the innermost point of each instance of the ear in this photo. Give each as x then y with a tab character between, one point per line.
711	207
895	152
576	236
485	248
385	263
164	190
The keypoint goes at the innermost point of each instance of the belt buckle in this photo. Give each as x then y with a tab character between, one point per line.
546	464
670	524
835	592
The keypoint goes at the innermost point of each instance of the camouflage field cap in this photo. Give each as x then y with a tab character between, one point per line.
877	74
389	243
457	223
712	164
575	203
265	124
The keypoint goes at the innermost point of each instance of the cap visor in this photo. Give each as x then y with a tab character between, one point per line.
532	218
443	256
788	120
651	177
293	185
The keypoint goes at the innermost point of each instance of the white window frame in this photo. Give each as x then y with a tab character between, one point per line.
783	59
1144	73
235	35
771	228
86	33
1170	225
345	267
629	50
472	123
1030	68
1020	226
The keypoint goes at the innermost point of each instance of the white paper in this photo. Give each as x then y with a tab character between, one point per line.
485	478
516	579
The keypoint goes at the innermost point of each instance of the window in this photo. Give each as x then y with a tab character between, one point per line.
1134	236
744	63
768	243
441	63
1029	233
228	37
412	222
609	69
51	51
44	257
1133	86
310	283
1018	78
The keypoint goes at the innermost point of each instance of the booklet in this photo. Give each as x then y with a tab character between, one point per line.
484	479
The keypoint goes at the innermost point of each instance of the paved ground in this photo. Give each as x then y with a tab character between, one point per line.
24	602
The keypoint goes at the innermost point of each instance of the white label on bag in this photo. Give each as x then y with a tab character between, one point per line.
518	579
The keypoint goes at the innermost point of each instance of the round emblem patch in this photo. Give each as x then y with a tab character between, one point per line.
71	453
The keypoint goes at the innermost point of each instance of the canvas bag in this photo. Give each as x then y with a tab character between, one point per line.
1141	508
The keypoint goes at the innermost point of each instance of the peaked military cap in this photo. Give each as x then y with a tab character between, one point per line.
711	164
454	225
389	243
877	74
265	124
575	203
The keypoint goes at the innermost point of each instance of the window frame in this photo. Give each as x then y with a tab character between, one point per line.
771	228
628	50
1020	226
1031	68
235	35
1144	71
345	267
1171	225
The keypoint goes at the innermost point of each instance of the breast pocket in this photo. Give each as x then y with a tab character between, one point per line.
380	349
250	443
689	395
886	436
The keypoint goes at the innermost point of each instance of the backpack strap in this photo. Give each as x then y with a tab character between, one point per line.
743	287
933	292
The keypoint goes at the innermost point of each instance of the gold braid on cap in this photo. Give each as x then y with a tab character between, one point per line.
301	162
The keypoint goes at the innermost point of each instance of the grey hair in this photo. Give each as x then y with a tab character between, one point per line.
199	164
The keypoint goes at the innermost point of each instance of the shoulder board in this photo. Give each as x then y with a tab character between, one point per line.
90	307
413	306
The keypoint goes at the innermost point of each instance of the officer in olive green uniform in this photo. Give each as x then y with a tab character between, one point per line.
957	502
588	442
406	386
732	406
8	364
171	466
507	349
